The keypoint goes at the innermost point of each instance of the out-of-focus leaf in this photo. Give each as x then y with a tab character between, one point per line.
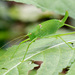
2	52
58	6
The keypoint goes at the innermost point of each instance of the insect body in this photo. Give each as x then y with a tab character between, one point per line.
45	29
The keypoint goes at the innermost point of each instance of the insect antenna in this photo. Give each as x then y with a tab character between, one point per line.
12	41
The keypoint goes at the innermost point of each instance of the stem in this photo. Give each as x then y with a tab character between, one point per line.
69	26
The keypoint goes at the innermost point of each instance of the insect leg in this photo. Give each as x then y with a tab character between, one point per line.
59	35
18	47
56	35
69	26
28	48
65	42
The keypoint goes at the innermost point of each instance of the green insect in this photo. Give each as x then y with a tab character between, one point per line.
47	28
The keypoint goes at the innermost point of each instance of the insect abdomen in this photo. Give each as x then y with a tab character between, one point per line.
48	27
45	28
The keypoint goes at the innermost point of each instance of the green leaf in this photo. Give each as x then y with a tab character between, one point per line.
33	72
72	70
62	56
58	6
22	69
13	71
50	57
51	51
